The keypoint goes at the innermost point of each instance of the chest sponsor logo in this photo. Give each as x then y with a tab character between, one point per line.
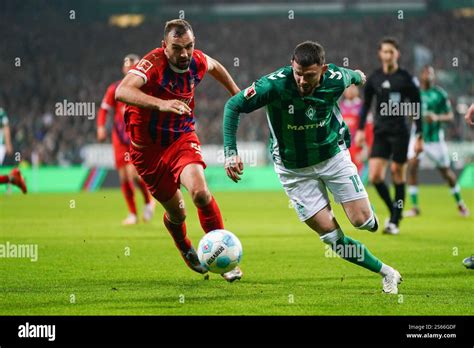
306	126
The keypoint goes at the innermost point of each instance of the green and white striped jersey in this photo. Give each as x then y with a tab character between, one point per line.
304	130
435	100
3	124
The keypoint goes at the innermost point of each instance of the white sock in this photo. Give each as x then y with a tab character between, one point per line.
413	189
385	270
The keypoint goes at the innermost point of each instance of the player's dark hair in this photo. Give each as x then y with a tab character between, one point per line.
180	27
389	40
308	53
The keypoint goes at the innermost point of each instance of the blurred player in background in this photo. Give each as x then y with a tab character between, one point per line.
436	112
392	87
164	146
350	106
6	148
468	262
309	150
121	143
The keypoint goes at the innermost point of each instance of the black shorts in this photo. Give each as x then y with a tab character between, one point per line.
391	146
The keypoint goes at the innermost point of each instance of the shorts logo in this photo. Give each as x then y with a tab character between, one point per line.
144	65
250	91
299	208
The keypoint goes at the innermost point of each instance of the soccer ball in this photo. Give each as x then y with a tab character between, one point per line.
220	251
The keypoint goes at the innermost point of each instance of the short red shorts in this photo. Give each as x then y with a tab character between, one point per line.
161	169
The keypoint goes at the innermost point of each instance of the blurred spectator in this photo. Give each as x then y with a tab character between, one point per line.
75	60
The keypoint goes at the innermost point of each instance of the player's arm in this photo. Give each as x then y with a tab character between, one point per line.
369	93
107	104
446	114
353	77
469	116
129	92
252	98
220	73
413	93
8	139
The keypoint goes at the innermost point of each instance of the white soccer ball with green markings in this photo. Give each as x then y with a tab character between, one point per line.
220	251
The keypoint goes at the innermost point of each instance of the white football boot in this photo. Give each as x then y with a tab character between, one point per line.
390	228
235	274
131	219
149	211
390	282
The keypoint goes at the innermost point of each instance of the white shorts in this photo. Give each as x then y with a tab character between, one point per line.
306	187
3	151
436	152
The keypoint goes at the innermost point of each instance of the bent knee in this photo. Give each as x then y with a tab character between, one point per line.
362	219
177	217
201	197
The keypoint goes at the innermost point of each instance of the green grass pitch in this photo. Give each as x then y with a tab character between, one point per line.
83	269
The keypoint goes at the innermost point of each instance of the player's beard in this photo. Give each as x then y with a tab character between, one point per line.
307	90
183	64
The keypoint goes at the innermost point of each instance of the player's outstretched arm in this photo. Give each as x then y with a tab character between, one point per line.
252	98
220	73
129	92
469	117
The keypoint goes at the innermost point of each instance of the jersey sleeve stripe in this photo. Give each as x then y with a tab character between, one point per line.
139	73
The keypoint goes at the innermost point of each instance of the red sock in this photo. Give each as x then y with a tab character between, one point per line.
4	179
178	232
142	186
127	189
210	217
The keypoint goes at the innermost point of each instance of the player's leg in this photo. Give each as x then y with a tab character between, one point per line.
14	178
438	152
128	193
325	224
399	181
311	202
450	177
360	214
133	176
378	163
192	177
399	145
174	221
341	177
377	173
412	180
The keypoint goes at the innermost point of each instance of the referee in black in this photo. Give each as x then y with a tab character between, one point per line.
397	103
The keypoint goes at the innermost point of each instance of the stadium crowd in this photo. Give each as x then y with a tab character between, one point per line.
49	58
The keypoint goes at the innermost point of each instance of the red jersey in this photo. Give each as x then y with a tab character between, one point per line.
148	126
109	103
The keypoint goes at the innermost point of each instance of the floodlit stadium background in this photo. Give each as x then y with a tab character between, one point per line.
52	51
